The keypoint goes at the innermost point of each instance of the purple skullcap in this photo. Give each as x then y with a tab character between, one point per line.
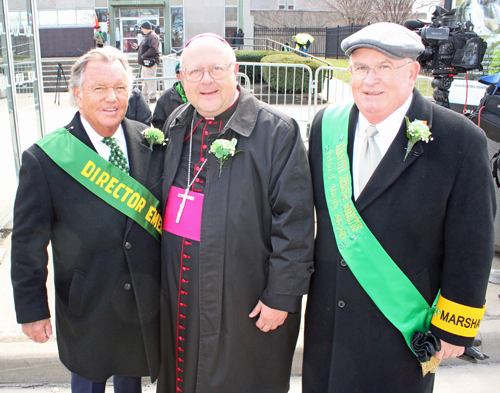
212	35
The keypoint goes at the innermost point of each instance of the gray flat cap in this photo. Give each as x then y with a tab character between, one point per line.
391	39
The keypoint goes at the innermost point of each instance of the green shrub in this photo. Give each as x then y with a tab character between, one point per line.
286	79
251	56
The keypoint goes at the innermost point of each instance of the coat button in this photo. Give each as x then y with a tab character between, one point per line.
127	287
343	263
341	304
310	269
128	246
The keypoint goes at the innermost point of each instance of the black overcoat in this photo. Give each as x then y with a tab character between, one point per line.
106	267
433	214
256	243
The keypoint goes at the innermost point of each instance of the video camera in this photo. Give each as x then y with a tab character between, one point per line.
450	48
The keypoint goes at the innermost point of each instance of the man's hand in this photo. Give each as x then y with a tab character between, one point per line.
269	318
39	331
449	351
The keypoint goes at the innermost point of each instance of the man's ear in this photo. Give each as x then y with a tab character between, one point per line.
78	96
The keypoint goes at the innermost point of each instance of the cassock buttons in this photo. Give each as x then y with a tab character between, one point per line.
127	287
341	304
128	246
343	263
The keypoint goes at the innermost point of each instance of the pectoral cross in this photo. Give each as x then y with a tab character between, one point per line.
184	197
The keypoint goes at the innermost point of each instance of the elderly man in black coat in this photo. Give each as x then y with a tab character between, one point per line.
419	223
106	264
238	233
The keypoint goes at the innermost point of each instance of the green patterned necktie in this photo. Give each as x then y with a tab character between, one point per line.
116	156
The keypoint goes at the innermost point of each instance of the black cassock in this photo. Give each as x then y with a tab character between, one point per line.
210	287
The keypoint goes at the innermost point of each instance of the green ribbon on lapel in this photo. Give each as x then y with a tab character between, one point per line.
389	288
109	183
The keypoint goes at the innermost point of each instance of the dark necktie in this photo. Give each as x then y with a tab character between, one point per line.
116	156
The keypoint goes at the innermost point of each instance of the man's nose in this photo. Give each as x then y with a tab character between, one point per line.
207	78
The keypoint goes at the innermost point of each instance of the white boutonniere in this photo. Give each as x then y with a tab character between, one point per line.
223	149
416	131
154	136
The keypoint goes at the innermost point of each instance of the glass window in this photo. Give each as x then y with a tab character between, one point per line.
129	12
177	23
117	13
48	18
14	19
149	12
85	17
67	17
231	22
176	2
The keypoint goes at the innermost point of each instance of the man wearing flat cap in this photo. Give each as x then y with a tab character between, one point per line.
148	57
405	208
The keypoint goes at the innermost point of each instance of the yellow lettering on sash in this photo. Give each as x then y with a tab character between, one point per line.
329	161
89	168
159	226
95	174
150	214
128	191
111	185
154	221
140	205
133	200
103	179
345	187
115	192
341	159
351	218
457	318
342	233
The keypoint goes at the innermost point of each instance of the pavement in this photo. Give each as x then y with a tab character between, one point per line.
27	365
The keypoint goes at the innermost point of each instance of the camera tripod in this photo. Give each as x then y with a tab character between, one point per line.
441	83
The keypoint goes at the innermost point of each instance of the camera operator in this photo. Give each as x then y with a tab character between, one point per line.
148	57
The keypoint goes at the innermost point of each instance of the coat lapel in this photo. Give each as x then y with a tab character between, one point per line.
175	136
139	155
393	163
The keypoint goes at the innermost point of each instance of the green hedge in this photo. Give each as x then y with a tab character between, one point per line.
289	58
251	56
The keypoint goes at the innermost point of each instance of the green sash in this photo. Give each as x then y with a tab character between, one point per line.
103	179
389	288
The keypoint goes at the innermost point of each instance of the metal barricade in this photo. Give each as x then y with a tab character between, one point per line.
333	84
285	86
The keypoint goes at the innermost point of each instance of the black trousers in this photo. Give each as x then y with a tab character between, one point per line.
121	385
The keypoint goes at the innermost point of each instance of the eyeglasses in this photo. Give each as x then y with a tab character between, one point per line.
382	70
195	74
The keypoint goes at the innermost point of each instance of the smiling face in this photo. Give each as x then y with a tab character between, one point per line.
103	96
378	97
209	96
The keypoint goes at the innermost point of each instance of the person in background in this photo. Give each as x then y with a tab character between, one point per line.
106	254
99	37
148	57
169	100
405	207
302	42
138	108
239	41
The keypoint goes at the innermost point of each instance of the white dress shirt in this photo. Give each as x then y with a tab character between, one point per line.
102	149
387	131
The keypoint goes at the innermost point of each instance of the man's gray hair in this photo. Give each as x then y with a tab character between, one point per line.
107	54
